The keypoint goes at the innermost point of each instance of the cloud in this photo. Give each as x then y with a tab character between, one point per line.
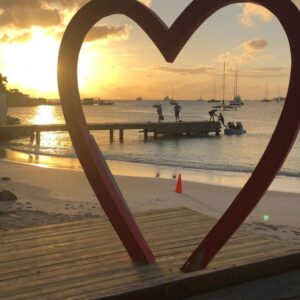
25	14
255	44
65	4
252	11
266	72
183	71
100	32
245	53
120	32
22	38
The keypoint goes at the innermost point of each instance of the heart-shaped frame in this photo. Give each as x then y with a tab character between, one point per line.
170	41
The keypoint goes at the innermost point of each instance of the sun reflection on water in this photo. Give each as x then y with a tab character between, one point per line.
45	114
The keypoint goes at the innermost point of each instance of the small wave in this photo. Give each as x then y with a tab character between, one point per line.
52	152
200	166
192	165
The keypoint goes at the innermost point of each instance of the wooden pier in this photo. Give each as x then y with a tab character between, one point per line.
86	260
166	128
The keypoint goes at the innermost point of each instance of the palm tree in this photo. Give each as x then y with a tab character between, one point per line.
3	82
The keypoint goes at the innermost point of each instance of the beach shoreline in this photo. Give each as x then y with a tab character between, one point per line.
126	168
46	195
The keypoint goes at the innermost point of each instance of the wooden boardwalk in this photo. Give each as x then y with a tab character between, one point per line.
192	127
85	259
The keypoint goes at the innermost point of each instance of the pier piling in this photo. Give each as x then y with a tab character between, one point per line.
111	135
121	135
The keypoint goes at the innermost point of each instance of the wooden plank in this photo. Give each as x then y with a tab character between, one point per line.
54	266
63	228
103	242
79	233
88	283
160	247
247	241
197	282
120	267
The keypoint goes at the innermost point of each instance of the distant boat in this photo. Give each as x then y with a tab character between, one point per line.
103	102
139	99
171	100
214	101
266	99
234	129
279	99
223	106
237	101
88	101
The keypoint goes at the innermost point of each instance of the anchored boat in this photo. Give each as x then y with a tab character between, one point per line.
234	129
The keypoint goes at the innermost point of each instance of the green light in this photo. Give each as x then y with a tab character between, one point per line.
266	217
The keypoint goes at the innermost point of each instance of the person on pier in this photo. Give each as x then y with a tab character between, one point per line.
177	109
159	113
212	114
221	119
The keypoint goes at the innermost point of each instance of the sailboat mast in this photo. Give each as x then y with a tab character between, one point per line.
236	81
214	89
223	100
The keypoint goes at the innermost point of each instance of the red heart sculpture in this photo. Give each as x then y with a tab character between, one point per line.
170	41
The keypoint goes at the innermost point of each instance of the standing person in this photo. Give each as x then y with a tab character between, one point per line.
177	109
221	119
159	112
212	114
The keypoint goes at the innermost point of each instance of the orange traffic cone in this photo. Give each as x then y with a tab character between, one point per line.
178	186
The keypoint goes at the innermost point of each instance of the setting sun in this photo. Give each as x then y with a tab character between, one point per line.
32	65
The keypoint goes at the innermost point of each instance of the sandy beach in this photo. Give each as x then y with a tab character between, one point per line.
49	195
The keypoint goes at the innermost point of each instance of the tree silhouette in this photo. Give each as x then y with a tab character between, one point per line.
3	82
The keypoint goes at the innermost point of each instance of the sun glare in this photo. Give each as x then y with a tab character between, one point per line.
32	66
95	69
44	115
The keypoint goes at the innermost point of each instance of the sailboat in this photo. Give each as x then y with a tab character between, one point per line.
213	100
223	106
266	99
237	101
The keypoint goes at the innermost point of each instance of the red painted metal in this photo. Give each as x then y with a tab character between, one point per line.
275	154
170	42
90	156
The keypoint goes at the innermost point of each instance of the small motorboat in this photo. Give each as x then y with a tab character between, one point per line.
234	129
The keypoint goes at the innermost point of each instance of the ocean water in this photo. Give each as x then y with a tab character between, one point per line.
227	158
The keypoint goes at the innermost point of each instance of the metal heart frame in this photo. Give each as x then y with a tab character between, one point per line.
170	41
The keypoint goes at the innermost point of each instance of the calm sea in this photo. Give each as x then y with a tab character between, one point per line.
225	159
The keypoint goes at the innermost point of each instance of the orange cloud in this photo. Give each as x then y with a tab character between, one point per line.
252	11
21	38
25	14
184	71
249	53
117	33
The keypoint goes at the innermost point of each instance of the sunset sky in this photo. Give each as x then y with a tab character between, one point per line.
118	61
